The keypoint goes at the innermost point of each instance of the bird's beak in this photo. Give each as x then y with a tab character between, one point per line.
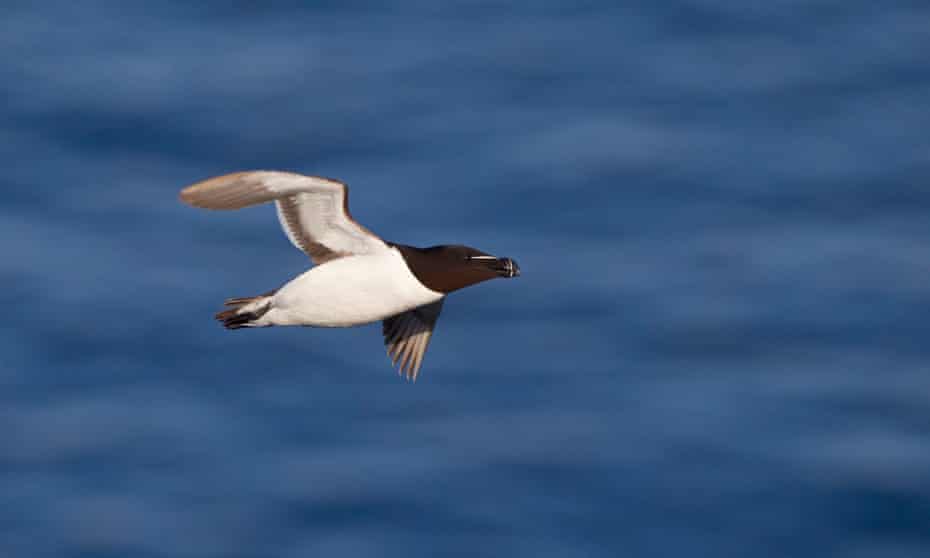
506	267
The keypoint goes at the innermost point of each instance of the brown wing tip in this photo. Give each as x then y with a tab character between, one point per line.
188	196
408	366
196	194
193	195
402	356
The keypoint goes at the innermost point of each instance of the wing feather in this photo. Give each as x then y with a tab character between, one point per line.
407	336
313	211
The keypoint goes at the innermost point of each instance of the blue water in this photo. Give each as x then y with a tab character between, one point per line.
717	347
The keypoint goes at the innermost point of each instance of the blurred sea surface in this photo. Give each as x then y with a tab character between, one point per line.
718	346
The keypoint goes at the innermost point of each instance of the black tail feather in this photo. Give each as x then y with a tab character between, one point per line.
235	318
243	300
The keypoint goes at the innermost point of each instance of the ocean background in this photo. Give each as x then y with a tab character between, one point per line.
718	346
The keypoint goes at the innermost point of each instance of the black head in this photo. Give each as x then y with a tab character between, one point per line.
449	268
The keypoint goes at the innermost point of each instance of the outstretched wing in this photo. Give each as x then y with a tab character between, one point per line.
407	335
314	211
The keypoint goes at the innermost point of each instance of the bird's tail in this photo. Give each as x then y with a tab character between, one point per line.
244	311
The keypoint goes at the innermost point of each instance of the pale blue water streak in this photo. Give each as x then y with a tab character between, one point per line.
717	347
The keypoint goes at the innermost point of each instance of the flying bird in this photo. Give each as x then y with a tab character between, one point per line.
358	278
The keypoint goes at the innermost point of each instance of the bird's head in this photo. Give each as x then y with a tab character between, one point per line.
448	268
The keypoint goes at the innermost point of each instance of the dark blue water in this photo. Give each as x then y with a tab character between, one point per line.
718	346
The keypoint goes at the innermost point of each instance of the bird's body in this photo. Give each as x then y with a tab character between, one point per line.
350	291
359	278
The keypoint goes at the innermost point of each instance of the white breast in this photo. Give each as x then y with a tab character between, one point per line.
349	291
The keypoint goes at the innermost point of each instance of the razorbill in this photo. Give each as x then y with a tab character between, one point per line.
358	278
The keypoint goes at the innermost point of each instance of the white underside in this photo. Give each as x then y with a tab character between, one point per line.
349	291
